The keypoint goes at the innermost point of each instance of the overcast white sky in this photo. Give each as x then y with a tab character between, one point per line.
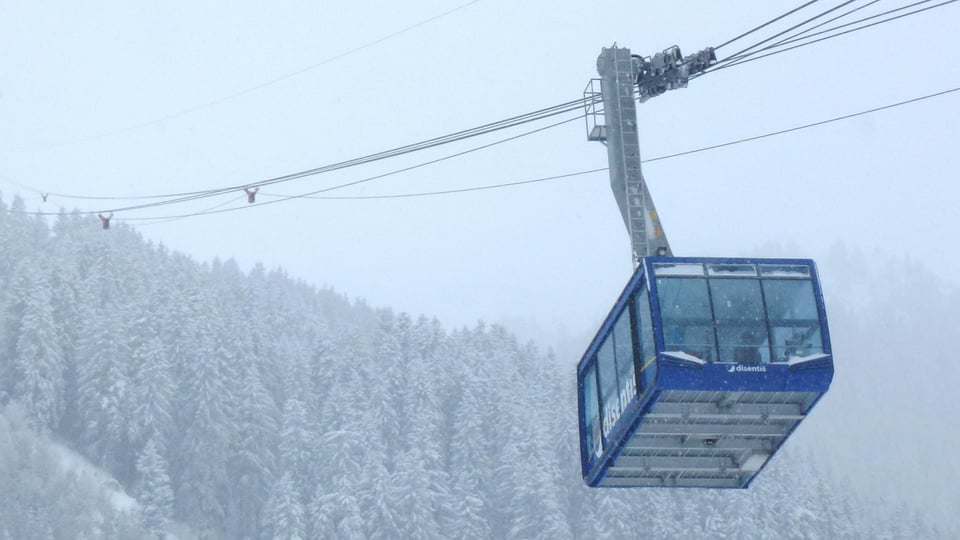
554	252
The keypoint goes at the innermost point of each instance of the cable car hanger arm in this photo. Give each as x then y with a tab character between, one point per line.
621	73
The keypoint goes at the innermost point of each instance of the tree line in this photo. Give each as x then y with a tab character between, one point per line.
248	404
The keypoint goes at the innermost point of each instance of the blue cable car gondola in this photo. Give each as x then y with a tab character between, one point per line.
704	366
700	372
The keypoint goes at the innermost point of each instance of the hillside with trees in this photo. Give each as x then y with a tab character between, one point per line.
248	404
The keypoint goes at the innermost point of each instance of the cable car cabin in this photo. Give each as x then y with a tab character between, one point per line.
701	371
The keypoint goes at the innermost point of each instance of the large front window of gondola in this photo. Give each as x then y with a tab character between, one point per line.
741	326
794	320
739	313
686	316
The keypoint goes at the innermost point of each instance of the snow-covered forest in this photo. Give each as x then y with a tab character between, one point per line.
253	405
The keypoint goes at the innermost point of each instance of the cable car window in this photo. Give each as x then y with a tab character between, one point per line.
623	345
784	270
794	320
685	314
591	413
678	269
731	270
741	325
609	393
648	351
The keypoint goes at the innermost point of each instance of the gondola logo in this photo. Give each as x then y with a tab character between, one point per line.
741	368
614	407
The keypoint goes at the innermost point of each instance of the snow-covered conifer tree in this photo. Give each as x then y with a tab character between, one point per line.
153	488
284	514
39	360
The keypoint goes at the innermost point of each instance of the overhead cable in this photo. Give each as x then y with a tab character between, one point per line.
174	198
771	21
805	34
798	128
806	31
446	191
794	27
325	189
727	63
315	195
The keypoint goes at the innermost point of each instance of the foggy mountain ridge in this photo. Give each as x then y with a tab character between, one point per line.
252	405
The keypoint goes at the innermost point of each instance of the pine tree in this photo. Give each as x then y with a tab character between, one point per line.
296	442
153	396
335	508
416	494
320	518
70	300
104	388
154	491
387	382
284	515
39	362
535	509
201	481
377	493
351	526
253	462
424	497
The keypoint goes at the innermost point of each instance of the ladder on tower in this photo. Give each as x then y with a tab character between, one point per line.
620	74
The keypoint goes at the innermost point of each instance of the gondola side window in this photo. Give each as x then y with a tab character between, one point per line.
794	319
741	325
647	350
609	394
626	366
686	318
591	412
616	369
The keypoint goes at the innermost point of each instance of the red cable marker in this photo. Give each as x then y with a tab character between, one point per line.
105	220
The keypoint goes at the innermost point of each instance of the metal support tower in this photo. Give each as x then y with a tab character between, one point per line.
620	72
